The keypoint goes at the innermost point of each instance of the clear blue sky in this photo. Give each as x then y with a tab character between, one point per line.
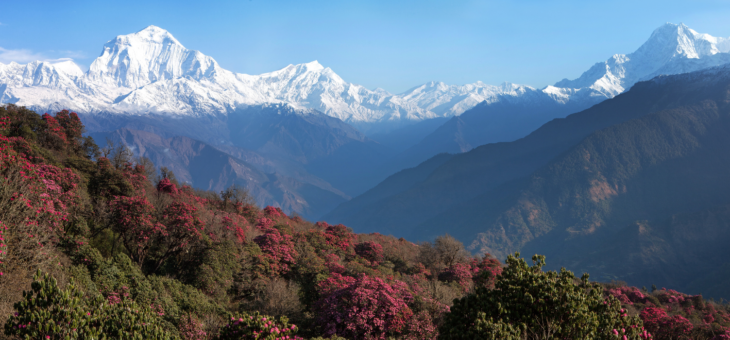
394	45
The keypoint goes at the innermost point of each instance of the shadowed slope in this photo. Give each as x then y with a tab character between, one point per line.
471	174
208	168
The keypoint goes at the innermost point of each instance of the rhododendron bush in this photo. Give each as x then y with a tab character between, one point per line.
256	326
364	308
137	253
132	218
370	251
669	314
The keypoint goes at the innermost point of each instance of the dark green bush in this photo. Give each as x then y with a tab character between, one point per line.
527	302
49	312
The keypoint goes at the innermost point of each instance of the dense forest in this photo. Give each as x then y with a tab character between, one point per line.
95	243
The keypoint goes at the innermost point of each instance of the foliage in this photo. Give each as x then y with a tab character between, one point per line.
277	247
370	251
460	273
132	218
364	308
256	326
181	228
191	328
529	302
669	314
48	312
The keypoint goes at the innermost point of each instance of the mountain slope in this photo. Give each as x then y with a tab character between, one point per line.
325	146
485	123
471	174
398	182
208	168
643	201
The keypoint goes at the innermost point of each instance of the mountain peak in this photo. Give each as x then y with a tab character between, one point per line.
314	66
151	34
68	67
153	28
146	56
670	45
675	40
673	31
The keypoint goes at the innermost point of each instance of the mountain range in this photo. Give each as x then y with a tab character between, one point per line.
671	49
634	188
152	73
306	124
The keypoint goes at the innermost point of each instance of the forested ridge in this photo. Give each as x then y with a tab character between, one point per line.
95	243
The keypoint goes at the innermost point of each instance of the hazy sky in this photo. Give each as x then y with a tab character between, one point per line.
394	45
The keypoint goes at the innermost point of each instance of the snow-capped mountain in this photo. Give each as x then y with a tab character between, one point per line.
671	49
152	73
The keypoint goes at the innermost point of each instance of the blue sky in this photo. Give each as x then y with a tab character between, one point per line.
394	45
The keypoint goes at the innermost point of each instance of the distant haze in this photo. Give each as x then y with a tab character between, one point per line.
391	45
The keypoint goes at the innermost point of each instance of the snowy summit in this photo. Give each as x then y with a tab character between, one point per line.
151	73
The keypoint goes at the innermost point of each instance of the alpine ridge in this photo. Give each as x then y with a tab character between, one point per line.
514	111
151	73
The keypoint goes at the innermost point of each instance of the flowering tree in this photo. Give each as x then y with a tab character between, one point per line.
278	248
664	326
36	201
166	186
191	328
486	270
273	212
627	295
133	219
370	251
461	273
339	236
72	128
182	227
366	308
55	136
332	262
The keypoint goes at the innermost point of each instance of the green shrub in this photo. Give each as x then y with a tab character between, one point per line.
257	326
49	312
527	302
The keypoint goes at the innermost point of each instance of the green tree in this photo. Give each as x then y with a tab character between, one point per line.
49	312
528	303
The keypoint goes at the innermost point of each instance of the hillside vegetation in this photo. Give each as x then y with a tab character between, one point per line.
95	244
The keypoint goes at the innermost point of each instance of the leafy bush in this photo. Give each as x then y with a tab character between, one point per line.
48	312
528	302
257	326
370	251
364	308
